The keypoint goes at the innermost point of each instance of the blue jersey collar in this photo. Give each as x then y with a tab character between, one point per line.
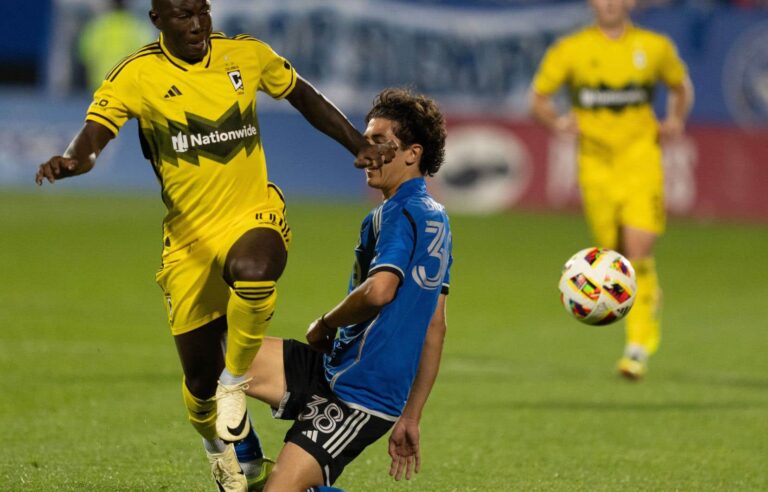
411	187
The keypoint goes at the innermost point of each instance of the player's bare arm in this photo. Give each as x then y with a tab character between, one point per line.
360	305
404	439
80	156
542	109
327	118
679	104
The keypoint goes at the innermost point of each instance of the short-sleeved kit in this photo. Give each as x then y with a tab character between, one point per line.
374	363
611	85
199	129
343	402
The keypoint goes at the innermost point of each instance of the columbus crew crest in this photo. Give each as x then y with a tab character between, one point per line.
236	79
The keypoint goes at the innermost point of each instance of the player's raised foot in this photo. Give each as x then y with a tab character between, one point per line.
634	364
226	471
257	472
232	422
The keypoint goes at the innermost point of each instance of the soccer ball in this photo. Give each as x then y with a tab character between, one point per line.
597	286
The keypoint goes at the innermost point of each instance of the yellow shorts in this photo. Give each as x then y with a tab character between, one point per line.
622	187
191	277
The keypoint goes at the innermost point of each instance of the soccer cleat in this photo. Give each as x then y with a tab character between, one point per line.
226	471
632	368
257	472
232	422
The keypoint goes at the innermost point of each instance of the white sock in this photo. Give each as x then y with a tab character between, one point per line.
636	352
229	379
215	446
252	468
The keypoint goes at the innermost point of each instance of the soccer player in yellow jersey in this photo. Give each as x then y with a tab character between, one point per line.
611	69
225	235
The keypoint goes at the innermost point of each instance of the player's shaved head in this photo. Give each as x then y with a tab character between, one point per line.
164	4
185	25
169	4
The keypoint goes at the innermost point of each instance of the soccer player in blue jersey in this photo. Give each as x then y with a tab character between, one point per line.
344	392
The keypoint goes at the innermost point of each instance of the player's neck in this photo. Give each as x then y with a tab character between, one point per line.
614	31
390	191
179	56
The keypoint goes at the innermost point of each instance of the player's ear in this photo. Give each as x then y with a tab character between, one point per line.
413	154
154	18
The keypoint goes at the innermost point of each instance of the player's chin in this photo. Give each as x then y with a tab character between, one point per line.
198	54
196	51
372	180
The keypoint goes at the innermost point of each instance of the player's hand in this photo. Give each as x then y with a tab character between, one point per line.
56	167
320	336
375	155
671	128
404	449
567	125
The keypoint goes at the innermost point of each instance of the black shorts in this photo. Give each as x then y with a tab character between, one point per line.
325	427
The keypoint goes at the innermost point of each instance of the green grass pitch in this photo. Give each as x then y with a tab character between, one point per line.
527	398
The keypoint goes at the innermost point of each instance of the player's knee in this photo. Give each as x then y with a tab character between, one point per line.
202	386
259	255
254	269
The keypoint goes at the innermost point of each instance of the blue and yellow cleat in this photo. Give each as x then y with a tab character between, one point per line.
256	481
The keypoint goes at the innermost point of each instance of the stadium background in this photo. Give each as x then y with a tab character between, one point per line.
527	399
475	57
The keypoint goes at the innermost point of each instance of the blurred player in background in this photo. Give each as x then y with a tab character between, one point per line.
379	372
109	37
611	70
225	235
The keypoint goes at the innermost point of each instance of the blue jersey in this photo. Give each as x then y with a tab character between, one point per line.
373	364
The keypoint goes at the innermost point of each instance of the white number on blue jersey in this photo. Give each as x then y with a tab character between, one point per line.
436	250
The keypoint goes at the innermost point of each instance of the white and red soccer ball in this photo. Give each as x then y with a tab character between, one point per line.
597	286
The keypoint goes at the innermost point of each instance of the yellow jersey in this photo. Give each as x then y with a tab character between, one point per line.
198	127
611	82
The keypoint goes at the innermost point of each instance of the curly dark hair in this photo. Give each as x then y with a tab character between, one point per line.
417	120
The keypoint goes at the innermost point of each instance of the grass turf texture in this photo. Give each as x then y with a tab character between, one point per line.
527	398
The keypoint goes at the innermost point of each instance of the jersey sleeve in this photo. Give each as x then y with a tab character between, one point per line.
395	243
116	101
278	77
553	70
447	279
672	70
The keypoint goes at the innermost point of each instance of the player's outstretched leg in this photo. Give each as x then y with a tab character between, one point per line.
253	265
249	311
251	457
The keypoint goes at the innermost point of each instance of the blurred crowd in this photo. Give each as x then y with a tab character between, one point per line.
26	50
704	3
